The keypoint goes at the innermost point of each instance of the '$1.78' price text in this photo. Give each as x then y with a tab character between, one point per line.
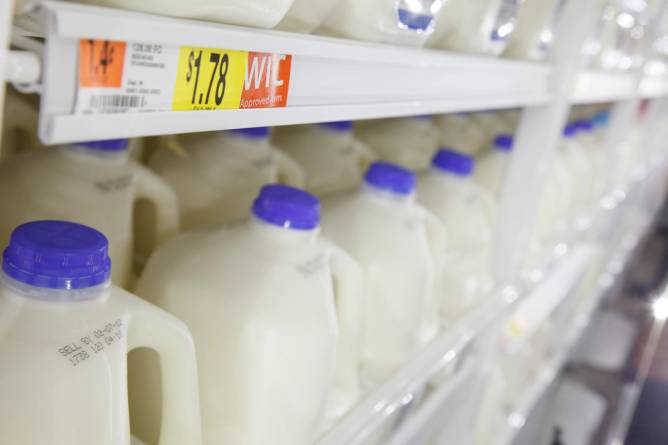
207	82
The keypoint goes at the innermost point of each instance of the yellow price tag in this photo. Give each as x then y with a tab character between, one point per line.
209	79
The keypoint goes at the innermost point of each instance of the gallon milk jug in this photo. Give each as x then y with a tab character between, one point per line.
258	13
459	131
399	246
491	169
403	22
475	26
409	142
536	24
492	123
468	212
93	183
580	171
221	172
332	158
68	330
275	313
306	15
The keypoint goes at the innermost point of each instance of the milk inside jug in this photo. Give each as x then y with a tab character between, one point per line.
221	172
332	158
92	183
399	246
460	132
468	212
491	169
536	24
404	22
580	172
409	142
274	311
306	15
68	330
258	13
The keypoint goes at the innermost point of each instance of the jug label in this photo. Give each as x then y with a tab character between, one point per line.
128	77
312	266
85	347
114	184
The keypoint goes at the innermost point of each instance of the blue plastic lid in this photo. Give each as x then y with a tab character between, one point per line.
415	21
252	133
108	145
503	142
600	119
287	207
450	160
584	125
390	177
338	126
57	255
570	130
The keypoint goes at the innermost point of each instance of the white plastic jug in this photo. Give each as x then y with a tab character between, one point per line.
536	24
306	15
404	22
332	158
475	26
275	314
580	172
258	13
492	123
66	331
221	172
459	132
491	169
409	142
92	183
468	212
399	246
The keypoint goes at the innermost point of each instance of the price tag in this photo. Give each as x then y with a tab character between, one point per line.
209	79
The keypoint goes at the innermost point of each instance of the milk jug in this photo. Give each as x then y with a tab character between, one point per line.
257	13
306	15
409	142
399	246
491	123
468	212
536	24
221	172
93	183
403	22
491	169
66	331
580	171
460	132
275	313
475	26
332	158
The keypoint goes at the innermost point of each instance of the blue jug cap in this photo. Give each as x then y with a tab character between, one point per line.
338	125
287	207
450	160
601	119
390	177
584	124
106	145
57	255
570	130
503	142
252	133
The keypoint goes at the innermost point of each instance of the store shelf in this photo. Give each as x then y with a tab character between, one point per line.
594	86
331	79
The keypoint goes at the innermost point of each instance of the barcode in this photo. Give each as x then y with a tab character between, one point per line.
115	101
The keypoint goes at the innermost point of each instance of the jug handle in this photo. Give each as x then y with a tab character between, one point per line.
366	154
349	309
152	188
289	171
170	338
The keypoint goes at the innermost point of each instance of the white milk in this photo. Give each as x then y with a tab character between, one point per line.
404	22
219	173
306	15
491	168
332	158
399	246
459	132
475	26
262	300
409	142
65	332
580	171
94	184
468	212
258	13
536	25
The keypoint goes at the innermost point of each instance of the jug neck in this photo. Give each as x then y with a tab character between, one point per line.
84	154
53	296
449	177
280	235
386	197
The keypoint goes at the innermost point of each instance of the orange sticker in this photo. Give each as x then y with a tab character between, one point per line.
101	63
267	80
